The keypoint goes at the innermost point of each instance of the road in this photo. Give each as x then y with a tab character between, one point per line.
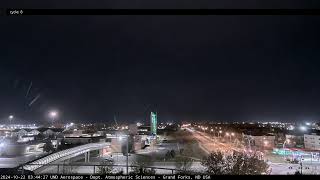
286	168
12	162
209	143
152	156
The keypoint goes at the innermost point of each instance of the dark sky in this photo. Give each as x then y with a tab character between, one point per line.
219	68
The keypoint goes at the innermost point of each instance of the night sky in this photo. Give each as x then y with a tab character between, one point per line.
213	68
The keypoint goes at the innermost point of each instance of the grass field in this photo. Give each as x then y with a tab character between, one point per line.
185	141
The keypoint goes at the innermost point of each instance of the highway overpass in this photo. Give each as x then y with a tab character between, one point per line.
65	154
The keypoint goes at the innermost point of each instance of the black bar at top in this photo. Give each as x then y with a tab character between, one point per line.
163	11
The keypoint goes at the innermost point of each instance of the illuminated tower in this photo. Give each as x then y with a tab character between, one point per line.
153	118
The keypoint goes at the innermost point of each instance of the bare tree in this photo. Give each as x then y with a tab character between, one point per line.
183	164
236	164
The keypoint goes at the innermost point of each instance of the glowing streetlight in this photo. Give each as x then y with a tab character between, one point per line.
10	118
53	115
228	135
303	128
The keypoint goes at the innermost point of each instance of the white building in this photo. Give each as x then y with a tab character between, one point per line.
19	132
47	132
312	141
34	132
25	138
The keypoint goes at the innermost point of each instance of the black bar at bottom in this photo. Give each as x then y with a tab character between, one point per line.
163	12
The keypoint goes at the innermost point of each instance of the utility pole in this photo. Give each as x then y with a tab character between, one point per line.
10	119
127	155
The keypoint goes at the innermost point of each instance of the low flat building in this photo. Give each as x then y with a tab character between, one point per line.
83	139
26	138
312	141
47	132
19	132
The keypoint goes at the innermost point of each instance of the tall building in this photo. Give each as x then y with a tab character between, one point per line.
154	125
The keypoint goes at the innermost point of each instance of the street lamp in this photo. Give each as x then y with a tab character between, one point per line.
284	143
232	135
249	138
219	133
127	163
10	118
228	135
53	115
212	134
303	128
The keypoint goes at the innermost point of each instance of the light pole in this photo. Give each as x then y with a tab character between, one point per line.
53	115
212	133
284	143
265	144
249	138
127	154
232	134
228	135
10	119
219	133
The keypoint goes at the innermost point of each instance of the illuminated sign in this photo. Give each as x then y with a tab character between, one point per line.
153	118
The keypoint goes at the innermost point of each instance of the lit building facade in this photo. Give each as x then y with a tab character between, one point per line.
312	141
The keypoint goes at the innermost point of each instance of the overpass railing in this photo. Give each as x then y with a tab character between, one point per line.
85	169
75	151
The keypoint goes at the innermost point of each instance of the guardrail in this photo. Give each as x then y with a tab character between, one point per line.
94	168
75	151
